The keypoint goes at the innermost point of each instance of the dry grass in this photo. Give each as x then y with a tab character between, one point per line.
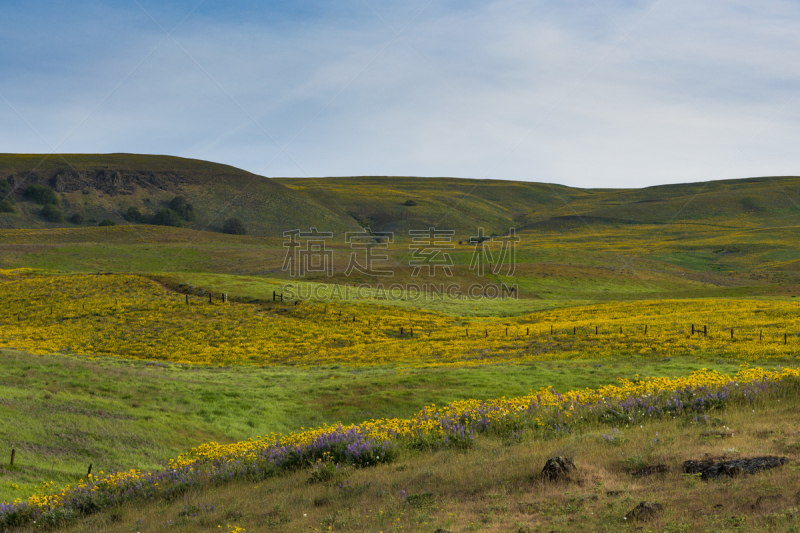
495	487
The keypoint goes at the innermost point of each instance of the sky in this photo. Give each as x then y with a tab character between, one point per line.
581	93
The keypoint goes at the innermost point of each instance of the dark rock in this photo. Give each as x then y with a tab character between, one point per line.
59	183
708	468
644	512
718	434
558	468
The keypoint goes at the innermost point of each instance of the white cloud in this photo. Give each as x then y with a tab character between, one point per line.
547	91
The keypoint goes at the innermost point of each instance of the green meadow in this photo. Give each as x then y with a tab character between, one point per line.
63	412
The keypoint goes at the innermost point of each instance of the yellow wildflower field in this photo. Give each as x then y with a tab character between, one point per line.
135	317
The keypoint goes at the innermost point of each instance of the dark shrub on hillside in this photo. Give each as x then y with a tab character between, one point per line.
133	215
5	189
410	203
77	218
7	207
107	222
41	195
52	213
184	209
234	226
751	204
167	217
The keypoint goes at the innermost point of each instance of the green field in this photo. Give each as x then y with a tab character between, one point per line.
578	247
115	413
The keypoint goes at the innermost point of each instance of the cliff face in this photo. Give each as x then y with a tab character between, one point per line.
109	181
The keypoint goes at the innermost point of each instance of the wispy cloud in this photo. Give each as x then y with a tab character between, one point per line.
655	92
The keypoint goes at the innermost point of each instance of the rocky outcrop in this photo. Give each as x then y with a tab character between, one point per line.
644	512
558	469
709	468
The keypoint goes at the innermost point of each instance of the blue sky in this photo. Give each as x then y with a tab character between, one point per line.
590	94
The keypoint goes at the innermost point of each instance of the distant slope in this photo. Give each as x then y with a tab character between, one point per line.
453	203
496	205
105	186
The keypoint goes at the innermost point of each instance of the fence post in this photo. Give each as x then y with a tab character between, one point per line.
595	329
274	296
528	330
90	470
13	453
187	299
209	298
705	330
645	329
731	333
401	331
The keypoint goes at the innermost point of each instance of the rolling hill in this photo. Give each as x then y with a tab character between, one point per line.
105	186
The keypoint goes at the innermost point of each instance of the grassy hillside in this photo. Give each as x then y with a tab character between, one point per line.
495	486
105	186
496	205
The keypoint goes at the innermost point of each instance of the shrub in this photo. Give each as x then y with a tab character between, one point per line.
5	188
41	195
234	226
52	213
107	222
410	203
133	215
751	204
167	217
184	209
7	207
77	219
